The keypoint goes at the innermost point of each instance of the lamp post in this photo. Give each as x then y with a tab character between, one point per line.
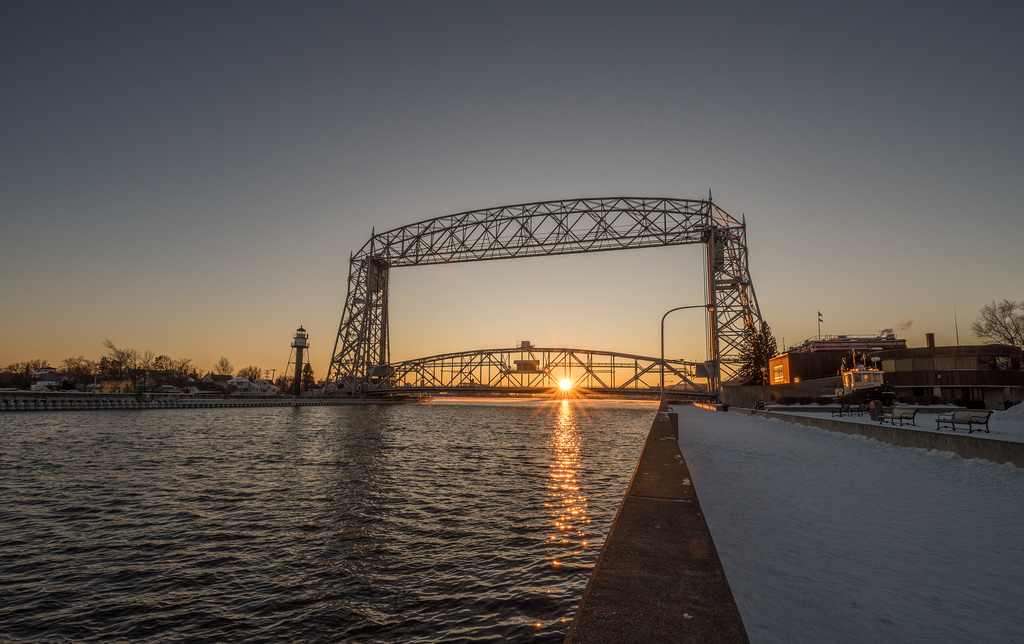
662	364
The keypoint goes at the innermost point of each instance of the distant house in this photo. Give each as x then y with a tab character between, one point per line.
115	386
214	382
262	386
256	387
46	379
238	385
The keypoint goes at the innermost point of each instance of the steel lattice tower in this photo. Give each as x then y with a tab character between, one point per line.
361	358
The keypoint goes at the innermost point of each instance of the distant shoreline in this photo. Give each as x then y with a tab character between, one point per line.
21	400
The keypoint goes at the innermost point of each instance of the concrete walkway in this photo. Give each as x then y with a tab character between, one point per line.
658	578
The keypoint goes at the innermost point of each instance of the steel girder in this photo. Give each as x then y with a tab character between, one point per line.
520	369
362	354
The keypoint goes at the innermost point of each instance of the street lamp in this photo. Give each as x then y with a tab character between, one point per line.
678	308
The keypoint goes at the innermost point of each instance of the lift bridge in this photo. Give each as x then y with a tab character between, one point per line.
361	361
528	369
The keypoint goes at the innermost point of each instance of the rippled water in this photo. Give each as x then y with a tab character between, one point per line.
448	521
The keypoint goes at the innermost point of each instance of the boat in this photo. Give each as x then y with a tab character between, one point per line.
863	382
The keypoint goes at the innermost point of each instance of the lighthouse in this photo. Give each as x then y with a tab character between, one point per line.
299	343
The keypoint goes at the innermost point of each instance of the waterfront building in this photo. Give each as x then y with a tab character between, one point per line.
823	357
981	376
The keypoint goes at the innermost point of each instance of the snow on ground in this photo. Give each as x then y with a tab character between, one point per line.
1002	425
827	537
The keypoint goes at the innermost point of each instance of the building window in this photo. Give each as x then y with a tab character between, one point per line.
1001	363
777	375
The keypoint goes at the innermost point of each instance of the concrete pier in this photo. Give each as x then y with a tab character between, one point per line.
658	577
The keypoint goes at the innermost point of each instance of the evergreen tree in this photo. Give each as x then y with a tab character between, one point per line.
308	380
758	350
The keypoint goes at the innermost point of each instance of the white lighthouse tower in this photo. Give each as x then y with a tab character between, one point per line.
299	345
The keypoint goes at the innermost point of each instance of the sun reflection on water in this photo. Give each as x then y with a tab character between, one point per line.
567	504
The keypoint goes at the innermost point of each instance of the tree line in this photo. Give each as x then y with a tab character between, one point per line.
122	364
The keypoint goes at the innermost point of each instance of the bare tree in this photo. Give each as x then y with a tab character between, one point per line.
1001	323
78	370
250	373
183	367
30	365
18	374
223	367
120	361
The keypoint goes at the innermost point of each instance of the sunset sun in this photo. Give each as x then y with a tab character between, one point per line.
565	384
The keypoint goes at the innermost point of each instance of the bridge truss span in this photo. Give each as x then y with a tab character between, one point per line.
533	370
586	225
543	228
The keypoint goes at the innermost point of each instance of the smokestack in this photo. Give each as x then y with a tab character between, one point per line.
929	340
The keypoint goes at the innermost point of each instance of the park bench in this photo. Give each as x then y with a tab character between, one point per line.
861	409
969	418
900	414
844	410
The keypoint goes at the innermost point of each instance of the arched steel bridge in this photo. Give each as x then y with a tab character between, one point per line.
529	369
361	360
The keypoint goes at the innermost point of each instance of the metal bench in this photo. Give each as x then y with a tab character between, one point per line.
969	418
901	414
844	410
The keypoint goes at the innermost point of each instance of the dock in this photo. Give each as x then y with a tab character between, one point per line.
658	577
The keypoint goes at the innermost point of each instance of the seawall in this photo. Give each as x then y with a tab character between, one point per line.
966	445
56	401
658	577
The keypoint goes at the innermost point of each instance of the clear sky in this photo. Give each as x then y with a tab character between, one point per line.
191	177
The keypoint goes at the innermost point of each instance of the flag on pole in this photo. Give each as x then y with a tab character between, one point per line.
819	316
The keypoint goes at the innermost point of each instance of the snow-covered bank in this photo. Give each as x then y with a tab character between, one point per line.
827	537
1005	425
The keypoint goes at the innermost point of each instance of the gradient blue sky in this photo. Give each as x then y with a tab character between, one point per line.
191	177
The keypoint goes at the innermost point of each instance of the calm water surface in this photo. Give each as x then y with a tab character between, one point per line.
450	521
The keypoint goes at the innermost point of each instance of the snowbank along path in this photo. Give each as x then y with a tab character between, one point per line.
827	537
